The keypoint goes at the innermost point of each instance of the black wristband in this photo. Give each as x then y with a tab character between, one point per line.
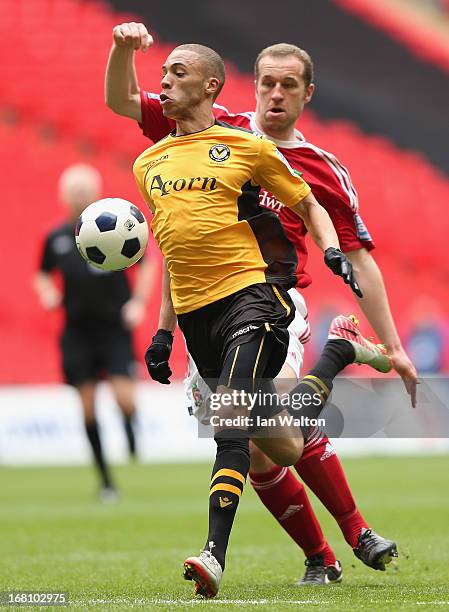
164	335
332	250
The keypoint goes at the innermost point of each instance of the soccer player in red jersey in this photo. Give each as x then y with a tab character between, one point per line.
284	84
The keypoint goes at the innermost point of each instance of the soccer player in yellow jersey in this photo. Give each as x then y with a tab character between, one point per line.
228	267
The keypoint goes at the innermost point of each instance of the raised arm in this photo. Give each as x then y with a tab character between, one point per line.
376	308
122	93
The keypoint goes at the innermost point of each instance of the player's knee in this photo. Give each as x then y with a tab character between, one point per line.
259	463
123	390
286	380
282	451
288	452
87	396
127	406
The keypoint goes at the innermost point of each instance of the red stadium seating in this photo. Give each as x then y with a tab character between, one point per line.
53	85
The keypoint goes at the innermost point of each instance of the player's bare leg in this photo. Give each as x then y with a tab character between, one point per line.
123	388
86	392
286	379
284	447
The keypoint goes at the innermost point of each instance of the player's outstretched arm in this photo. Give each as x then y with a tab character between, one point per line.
159	351
376	308
122	93
323	233
274	172
318	222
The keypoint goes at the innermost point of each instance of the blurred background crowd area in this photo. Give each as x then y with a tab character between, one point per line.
381	106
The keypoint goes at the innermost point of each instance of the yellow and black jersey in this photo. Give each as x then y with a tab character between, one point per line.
203	190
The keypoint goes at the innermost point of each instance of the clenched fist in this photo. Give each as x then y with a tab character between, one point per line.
133	35
157	356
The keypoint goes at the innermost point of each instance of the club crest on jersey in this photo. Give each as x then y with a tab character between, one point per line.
197	396
219	152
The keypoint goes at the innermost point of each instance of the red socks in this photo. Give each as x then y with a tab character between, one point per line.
321	470
285	497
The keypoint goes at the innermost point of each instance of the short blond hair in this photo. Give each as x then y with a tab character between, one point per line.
284	49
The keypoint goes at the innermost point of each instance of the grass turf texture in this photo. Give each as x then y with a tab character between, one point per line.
55	537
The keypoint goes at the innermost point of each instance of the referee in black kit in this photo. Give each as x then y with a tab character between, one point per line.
100	310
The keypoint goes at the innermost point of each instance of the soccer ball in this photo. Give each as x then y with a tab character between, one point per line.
111	234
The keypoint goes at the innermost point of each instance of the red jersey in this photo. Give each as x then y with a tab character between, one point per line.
330	182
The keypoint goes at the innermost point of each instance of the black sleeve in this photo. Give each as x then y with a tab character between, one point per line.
48	262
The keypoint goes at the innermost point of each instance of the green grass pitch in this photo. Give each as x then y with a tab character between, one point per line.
55	536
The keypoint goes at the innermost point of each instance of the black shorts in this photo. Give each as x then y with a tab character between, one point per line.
242	336
89	354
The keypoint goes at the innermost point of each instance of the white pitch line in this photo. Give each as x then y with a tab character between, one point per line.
193	602
240	602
